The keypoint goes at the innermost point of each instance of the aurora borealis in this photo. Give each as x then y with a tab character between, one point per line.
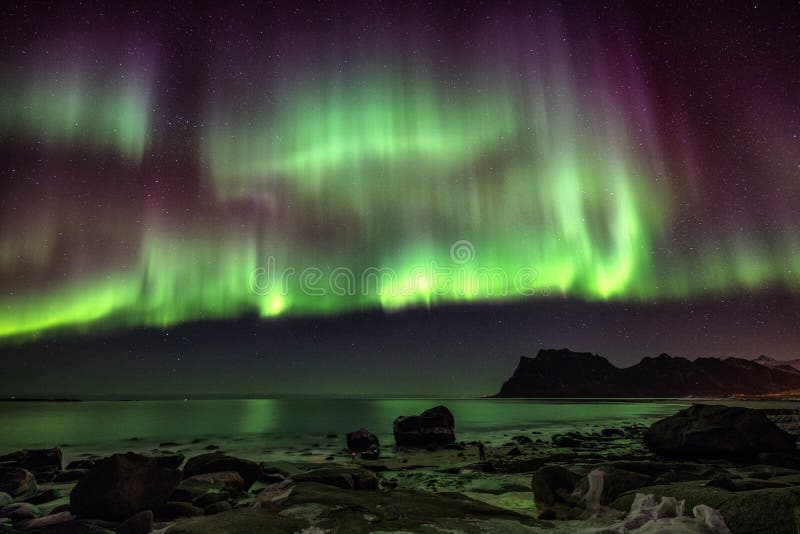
148	173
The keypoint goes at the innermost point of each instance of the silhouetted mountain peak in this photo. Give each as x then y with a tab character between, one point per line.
565	373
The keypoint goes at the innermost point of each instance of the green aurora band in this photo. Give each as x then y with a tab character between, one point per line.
363	186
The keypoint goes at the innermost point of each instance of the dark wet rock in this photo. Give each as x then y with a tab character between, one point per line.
722	482
81	464
60	508
714	431
19	483
172	460
434	427
169	444
210	498
50	494
615	483
362	440
48	523
344	511
514	452
612	432
342	477
551	482
561	440
20	511
193	487
217	507
172	510
43	463
70	475
211	447
140	523
373	453
5	499
121	485
216	462
522	440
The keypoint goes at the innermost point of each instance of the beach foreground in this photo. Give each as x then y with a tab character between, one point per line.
595	478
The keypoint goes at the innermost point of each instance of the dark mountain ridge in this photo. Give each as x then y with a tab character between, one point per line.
564	373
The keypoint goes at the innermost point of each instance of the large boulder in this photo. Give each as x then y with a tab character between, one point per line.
217	462
433	427
551	483
121	485
714	431
362	440
19	483
43	463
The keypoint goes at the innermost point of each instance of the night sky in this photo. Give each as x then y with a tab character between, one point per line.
395	198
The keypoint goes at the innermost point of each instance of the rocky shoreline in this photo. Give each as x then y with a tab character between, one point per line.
709	468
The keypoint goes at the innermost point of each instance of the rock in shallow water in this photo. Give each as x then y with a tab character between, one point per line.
121	485
434	427
361	440
714	431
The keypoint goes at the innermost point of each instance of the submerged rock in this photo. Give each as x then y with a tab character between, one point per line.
218	462
434	427
121	485
714	431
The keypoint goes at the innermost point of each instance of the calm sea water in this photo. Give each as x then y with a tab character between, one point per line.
261	423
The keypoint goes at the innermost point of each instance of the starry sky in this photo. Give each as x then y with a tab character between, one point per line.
332	197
